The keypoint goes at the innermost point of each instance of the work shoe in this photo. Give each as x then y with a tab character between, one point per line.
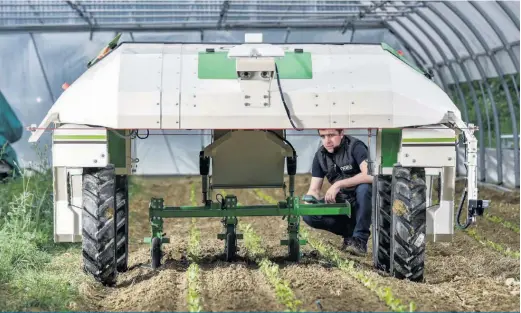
355	246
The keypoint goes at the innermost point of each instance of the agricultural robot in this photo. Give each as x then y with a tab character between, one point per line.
249	94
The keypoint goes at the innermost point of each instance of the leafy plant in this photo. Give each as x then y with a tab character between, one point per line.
193	295
384	293
493	245
283	291
332	255
499	220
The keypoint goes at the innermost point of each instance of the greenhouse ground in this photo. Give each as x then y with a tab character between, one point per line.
479	271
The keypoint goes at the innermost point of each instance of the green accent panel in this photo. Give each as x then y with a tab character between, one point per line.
260	210
117	149
390	49
217	65
149	240
428	140
80	137
285	242
391	141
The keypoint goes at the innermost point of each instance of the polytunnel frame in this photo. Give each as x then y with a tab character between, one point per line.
461	61
426	46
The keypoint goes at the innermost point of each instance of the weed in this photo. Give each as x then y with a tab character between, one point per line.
33	274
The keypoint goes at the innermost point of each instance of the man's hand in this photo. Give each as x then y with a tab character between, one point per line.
331	193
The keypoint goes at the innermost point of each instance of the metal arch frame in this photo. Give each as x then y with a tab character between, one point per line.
416	57
510	14
498	31
464	40
480	82
433	61
501	75
456	81
450	66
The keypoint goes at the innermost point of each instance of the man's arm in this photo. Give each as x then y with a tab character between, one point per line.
315	187
360	155
317	179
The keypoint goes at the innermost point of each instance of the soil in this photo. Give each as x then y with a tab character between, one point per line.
462	275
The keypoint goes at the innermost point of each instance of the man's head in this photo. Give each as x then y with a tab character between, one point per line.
331	138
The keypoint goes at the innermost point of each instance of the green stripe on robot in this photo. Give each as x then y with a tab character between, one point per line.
80	137
428	140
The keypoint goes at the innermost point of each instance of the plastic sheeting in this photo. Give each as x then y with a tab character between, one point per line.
443	36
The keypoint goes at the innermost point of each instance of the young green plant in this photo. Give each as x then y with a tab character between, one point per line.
194	287
283	291
331	254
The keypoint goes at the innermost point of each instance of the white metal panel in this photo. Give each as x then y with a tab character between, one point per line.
170	88
87	100
139	92
423	104
368	86
67	216
80	154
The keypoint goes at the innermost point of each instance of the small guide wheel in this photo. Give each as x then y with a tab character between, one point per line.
294	250
155	252
230	246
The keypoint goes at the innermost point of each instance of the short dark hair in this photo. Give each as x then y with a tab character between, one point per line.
339	130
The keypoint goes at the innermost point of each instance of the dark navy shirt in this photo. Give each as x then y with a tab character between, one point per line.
359	154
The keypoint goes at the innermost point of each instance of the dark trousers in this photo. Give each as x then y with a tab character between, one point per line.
357	226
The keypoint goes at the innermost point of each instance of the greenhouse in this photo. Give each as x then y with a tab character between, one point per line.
470	48
270	156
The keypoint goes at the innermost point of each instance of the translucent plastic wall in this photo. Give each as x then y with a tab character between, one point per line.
474	58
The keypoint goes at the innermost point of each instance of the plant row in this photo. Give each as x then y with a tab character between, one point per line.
256	252
193	296
332	255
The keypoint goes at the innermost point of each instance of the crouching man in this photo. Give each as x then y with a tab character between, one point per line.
342	159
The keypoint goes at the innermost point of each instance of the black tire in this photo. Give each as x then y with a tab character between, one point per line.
122	219
100	187
156	253
294	250
399	226
230	245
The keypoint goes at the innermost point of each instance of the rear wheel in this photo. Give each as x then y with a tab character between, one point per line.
100	258
399	226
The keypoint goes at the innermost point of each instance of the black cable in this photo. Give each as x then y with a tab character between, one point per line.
285	140
148	134
464	195
284	101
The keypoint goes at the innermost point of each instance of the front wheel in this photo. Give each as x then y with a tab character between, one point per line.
105	198
399	225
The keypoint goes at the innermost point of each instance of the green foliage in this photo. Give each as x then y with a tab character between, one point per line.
32	274
496	219
283	291
384	293
493	245
485	106
193	296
